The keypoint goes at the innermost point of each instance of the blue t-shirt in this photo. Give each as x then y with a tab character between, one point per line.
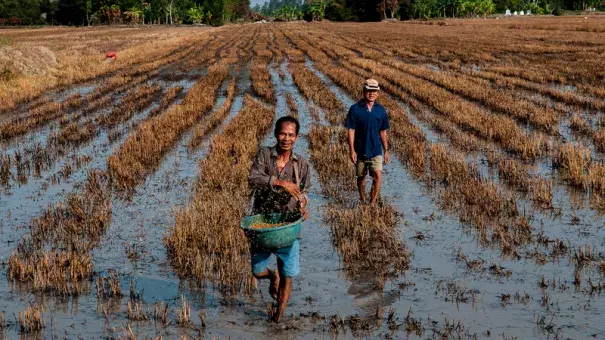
367	125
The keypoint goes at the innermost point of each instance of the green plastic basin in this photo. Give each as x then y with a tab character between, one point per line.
272	238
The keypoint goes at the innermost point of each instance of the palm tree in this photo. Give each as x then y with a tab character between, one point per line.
134	15
195	15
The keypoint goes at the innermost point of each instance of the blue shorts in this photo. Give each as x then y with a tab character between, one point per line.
288	259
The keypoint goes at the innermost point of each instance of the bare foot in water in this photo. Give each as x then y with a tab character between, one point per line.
274	285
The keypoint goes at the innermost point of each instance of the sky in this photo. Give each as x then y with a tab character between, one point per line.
254	2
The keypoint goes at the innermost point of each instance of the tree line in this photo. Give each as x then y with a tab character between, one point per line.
218	12
374	10
95	12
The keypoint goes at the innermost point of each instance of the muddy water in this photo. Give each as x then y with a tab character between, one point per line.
29	200
137	227
24	202
40	136
429	289
150	209
434	261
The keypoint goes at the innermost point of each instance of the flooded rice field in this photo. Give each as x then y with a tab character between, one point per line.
121	194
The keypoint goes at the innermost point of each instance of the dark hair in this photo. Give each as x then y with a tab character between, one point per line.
285	119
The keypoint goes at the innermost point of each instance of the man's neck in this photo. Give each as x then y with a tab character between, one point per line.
369	103
283	154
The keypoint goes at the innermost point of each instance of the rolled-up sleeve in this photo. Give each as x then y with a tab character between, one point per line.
259	175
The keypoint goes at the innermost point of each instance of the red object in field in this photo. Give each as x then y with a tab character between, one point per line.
112	55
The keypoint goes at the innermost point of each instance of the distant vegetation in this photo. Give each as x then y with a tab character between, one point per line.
218	12
372	10
89	12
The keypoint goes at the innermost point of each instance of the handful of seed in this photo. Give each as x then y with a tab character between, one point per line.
263	225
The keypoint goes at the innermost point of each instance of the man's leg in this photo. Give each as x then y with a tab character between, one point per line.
260	260
273	276
376	184
375	166
361	171
288	263
361	187
285	289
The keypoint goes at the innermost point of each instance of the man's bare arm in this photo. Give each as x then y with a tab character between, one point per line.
384	138
352	145
289	187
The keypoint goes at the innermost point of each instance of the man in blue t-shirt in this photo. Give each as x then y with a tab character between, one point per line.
368	123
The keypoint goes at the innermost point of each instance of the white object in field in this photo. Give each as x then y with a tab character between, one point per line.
507	12
521	13
515	13
528	12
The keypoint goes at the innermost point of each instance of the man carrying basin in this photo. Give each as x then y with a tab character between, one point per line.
280	181
368	122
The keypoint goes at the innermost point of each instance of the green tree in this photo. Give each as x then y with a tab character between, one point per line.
25	11
71	12
133	16
317	10
391	7
425	9
51	8
88	8
338	10
195	15
146	9
485	8
287	13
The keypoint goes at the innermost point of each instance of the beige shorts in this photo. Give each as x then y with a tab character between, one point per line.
373	164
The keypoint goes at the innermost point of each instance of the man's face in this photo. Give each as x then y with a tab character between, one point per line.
287	136
370	96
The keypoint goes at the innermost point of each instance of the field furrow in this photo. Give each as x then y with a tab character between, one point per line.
206	242
134	172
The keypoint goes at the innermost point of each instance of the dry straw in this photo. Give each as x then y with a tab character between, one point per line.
215	118
2	321
75	227
409	143
31	320
143	149
261	79
206	241
366	237
183	315
315	89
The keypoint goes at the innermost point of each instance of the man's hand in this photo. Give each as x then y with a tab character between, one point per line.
305	213
303	208
303	202
290	188
354	157
387	157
